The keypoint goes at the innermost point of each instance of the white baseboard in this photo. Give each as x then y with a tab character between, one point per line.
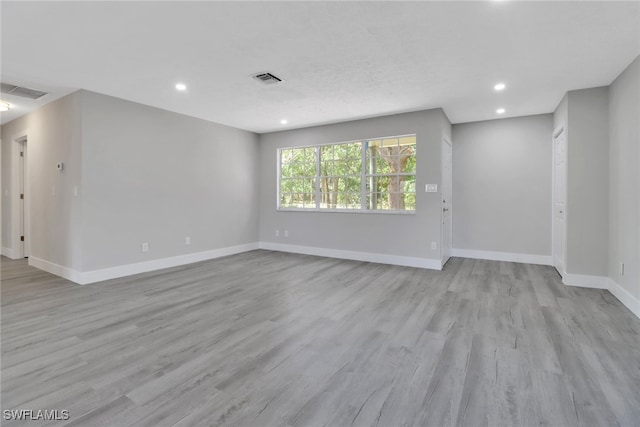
86	277
601	282
55	269
503	256
9	253
432	264
585	281
631	302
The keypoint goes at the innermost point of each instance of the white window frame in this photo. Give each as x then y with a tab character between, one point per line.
363	184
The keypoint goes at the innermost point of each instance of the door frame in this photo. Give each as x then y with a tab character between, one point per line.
20	215
556	133
442	231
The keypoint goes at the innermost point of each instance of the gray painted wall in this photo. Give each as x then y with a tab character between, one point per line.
390	234
588	182
155	176
502	185
142	174
53	136
148	175
624	184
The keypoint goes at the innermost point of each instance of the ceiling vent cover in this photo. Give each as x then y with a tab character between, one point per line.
267	78
21	91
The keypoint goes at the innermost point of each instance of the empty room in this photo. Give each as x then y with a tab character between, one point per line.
320	213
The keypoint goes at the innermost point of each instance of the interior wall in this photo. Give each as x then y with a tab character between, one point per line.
155	176
624	184
407	235
54	135
587	182
502	185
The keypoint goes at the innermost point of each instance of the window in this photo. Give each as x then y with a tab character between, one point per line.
298	177
359	176
340	176
391	173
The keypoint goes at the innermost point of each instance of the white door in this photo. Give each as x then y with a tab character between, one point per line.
446	191
559	198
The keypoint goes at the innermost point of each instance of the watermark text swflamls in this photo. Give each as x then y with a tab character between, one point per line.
35	414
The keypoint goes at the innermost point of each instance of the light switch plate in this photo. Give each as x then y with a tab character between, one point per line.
431	188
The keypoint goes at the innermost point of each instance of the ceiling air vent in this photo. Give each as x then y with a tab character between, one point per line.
267	78
21	91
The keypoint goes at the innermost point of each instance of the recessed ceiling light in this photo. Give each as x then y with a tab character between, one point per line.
500	110
283	122
181	86
4	106
500	86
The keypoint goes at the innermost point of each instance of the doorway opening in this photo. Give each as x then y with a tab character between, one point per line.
559	199
446	188
23	204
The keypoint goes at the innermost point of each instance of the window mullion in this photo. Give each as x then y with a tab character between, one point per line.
317	180
279	163
363	176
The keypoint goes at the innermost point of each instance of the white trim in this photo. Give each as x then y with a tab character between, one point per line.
9	253
503	256
556	133
351	141
450	206
600	282
26	187
348	211
17	246
278	175
55	269
631	302
585	281
432	264
86	277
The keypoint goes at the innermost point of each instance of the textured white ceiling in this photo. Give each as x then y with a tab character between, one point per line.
340	60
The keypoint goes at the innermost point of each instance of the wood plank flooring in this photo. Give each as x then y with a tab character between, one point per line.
273	339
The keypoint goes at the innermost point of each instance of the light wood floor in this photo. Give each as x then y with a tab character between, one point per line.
266	338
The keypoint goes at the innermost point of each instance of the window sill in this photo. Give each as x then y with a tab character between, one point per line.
349	211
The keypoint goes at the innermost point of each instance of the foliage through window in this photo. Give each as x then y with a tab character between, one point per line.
369	175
